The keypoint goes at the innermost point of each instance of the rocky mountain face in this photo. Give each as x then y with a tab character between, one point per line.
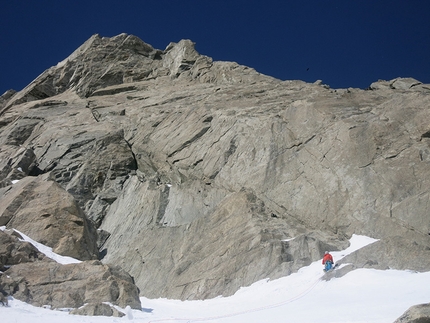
199	177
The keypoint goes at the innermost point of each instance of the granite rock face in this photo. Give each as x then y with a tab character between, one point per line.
202	176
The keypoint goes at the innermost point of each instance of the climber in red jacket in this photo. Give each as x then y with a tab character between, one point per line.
327	261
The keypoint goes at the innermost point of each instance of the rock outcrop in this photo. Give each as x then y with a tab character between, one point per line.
28	275
70	286
202	176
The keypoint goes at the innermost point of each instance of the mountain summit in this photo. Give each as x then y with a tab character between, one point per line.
199	177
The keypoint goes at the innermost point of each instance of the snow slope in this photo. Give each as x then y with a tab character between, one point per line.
48	251
363	295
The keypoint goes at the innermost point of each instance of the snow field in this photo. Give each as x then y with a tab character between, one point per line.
363	295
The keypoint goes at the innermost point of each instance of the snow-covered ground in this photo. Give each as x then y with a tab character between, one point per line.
363	295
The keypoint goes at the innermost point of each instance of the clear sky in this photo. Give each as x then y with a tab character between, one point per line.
345	43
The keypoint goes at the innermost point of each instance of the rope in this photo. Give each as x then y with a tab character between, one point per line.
258	309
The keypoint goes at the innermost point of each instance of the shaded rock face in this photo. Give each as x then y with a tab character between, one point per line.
13	251
3	300
206	176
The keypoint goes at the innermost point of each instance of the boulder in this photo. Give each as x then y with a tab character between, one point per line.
97	309
40	208
14	251
416	314
70	286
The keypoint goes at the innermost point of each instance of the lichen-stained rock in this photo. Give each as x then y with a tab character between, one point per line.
70	286
40	208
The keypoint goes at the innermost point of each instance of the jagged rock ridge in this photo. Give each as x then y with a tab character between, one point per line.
202	177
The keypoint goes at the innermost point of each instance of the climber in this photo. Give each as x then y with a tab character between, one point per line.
327	261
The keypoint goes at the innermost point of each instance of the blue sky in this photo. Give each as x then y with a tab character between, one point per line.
345	43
